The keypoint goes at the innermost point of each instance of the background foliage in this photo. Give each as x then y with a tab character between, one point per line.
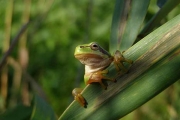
50	69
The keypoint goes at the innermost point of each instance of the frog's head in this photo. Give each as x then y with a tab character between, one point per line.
90	53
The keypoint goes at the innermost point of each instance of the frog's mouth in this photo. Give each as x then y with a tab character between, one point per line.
94	60
89	58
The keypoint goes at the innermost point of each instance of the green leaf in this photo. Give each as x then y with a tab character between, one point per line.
42	110
20	112
127	20
156	66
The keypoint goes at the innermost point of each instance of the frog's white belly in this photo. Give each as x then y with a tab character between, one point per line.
94	67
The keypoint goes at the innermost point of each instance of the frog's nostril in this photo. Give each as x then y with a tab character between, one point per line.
81	46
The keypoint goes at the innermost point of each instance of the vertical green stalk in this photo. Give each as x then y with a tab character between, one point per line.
127	19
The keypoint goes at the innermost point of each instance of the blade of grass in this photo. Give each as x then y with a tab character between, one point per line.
141	90
165	45
127	20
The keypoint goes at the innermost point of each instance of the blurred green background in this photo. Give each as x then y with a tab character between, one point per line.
43	62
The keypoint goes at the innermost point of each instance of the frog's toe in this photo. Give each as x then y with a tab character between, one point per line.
78	97
129	61
115	80
103	85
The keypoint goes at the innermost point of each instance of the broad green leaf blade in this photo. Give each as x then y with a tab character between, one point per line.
156	66
141	90
156	19
20	112
127	20
41	110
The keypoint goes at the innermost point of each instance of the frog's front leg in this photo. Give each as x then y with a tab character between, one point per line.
118	61
98	77
78	97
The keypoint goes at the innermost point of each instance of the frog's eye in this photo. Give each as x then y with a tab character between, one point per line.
94	46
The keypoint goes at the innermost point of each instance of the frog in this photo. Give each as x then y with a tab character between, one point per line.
97	63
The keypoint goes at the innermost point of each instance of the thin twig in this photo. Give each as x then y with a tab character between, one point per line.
13	44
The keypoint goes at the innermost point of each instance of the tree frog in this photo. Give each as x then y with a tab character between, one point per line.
97	62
